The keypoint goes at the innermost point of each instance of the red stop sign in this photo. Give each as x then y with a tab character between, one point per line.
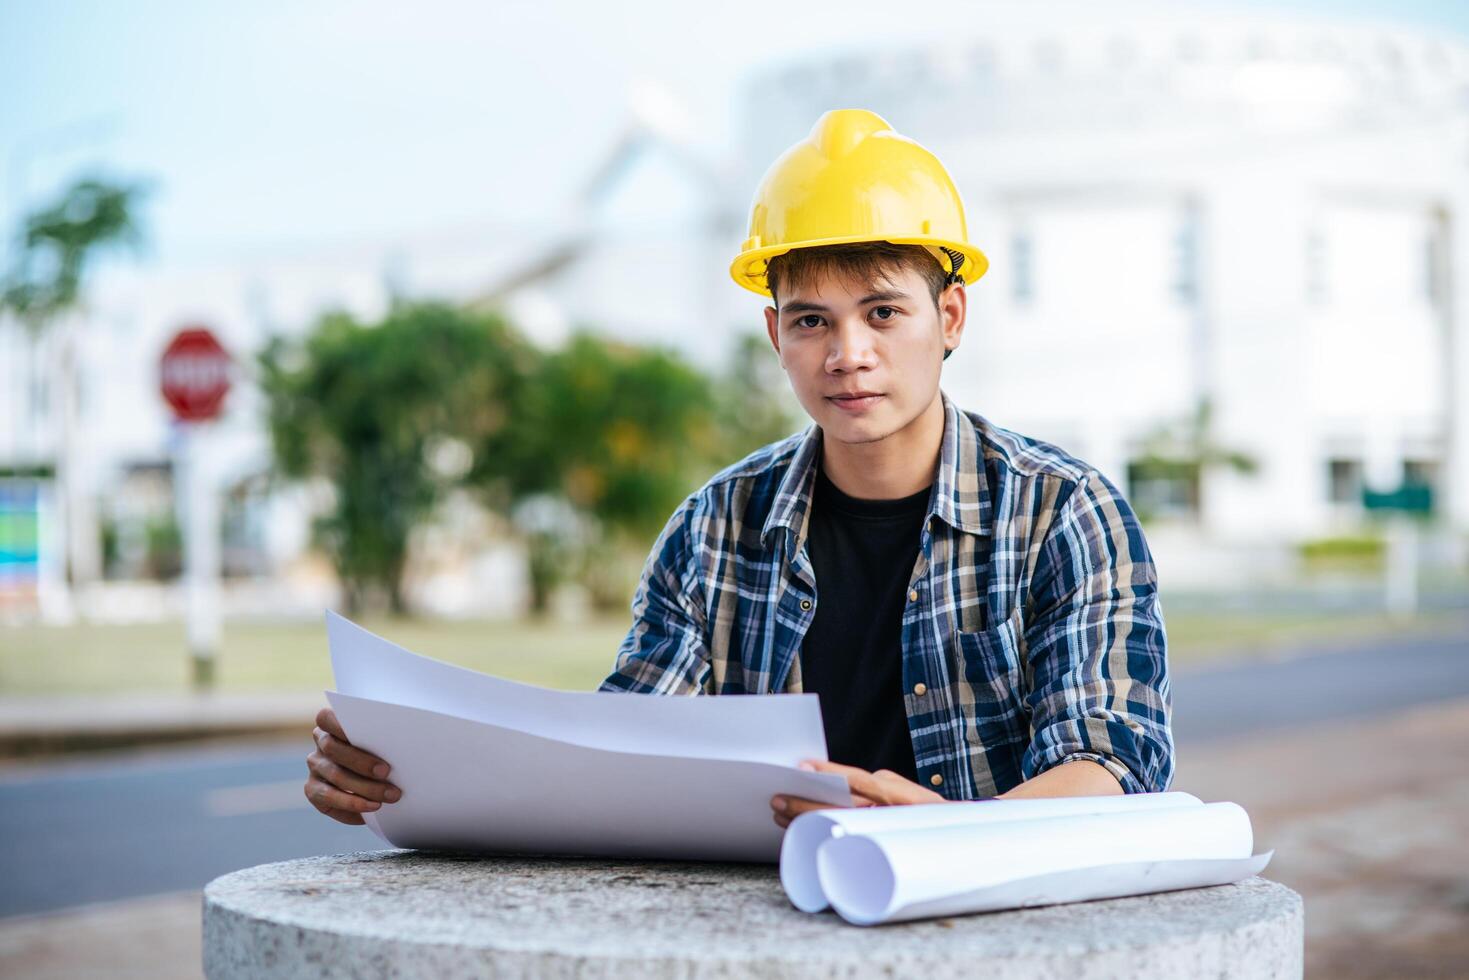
194	374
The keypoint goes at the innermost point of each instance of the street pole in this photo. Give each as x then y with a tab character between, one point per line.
198	518
1401	596
194	378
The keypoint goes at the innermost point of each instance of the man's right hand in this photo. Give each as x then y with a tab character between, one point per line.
345	782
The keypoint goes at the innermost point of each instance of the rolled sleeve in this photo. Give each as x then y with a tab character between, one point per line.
664	651
1096	646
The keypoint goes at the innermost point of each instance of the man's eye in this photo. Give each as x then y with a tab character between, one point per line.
809	320
884	312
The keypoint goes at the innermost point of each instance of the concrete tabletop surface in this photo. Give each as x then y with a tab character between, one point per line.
409	913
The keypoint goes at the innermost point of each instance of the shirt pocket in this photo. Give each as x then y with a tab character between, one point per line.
991	663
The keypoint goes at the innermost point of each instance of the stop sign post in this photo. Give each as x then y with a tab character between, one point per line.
194	378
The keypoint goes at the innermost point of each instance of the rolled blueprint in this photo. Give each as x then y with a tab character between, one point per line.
895	875
809	831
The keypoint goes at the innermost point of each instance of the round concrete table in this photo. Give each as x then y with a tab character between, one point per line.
418	914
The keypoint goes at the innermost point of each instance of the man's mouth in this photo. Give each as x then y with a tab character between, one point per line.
855	401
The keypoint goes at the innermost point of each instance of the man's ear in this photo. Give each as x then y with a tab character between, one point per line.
772	322
953	307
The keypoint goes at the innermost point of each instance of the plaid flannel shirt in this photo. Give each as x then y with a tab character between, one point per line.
1033	633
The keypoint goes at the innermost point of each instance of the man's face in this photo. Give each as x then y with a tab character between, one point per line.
864	358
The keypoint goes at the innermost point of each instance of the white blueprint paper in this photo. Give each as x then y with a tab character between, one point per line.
810	830
781	729
1084	885
471	785
894	875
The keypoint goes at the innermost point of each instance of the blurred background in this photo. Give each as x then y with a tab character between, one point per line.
445	292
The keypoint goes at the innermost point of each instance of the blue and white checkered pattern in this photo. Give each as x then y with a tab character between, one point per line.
1033	627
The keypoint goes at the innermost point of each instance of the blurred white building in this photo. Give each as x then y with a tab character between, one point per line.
1268	214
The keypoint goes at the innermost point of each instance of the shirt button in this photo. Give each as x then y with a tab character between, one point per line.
920	689
936	780
805	603
912	595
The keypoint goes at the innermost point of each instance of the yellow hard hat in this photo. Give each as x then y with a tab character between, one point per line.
855	180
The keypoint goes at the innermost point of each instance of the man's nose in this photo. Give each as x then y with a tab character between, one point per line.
851	348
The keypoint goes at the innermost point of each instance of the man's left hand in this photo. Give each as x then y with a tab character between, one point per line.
881	788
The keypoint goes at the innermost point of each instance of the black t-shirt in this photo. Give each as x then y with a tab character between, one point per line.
862	554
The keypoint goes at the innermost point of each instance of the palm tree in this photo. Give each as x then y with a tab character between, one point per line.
58	244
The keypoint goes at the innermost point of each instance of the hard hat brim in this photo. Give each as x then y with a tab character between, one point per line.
748	268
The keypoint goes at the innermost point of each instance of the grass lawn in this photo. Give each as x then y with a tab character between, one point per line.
37	660
292	655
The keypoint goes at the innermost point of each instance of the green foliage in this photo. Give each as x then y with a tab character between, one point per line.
588	448
1359	552
754	400
58	244
387	414
1179	454
623	433
1175	450
621	430
148	547
59	241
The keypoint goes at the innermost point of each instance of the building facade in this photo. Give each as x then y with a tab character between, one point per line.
1262	215
1229	267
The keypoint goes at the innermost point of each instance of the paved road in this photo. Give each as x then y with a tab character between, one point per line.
86	832
1301	689
167	821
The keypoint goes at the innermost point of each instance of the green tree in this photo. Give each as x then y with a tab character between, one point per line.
618	435
392	415
58	244
60	241
588	448
620	432
754	399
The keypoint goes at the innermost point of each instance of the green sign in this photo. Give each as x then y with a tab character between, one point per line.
1410	498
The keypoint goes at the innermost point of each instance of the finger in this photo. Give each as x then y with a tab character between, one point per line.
821	765
328	795
900	790
890	788
795	806
792	807
340	777
341	816
860	781
326	719
346	754
835	767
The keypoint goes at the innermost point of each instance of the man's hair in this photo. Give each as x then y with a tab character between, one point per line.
867	262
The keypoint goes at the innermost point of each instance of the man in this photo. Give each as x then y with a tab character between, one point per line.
977	610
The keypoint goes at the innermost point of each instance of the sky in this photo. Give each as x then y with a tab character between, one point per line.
278	125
